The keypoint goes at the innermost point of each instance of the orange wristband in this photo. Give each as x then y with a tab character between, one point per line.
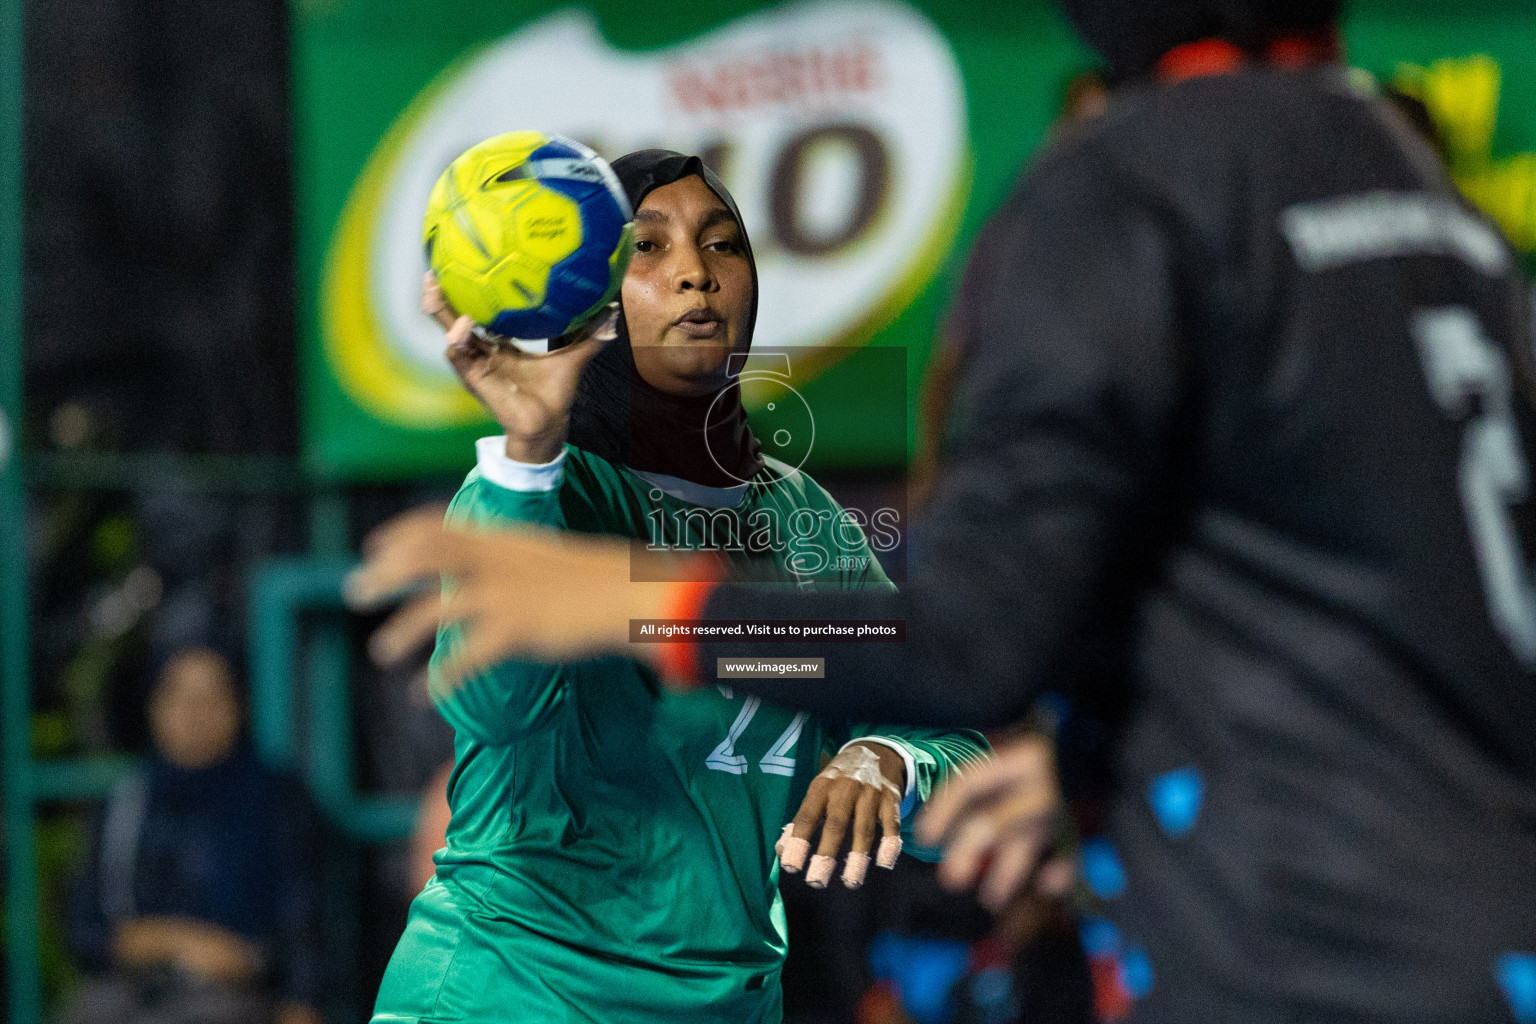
678	661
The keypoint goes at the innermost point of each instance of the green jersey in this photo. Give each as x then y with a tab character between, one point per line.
611	851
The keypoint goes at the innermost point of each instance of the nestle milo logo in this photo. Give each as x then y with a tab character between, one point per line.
840	126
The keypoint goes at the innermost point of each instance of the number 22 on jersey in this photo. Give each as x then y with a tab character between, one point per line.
779	760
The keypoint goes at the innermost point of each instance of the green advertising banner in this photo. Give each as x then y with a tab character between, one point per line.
866	140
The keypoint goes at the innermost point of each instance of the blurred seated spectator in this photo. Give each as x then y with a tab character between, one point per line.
200	902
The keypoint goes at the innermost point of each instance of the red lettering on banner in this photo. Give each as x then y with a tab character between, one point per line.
776	78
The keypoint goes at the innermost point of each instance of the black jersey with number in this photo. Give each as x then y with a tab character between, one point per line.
1245	418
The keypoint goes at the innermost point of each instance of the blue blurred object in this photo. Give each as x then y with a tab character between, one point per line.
1100	938
1102	869
1517	977
992	997
1176	797
923	970
1136	972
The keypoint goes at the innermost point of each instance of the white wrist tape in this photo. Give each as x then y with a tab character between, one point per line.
862	765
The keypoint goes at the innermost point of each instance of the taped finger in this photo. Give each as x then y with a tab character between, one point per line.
788	833
797	846
866	821
820	872
855	867
792	857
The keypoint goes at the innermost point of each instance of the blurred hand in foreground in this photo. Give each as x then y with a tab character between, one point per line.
997	822
857	794
532	593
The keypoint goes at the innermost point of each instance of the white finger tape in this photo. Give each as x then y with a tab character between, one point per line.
820	872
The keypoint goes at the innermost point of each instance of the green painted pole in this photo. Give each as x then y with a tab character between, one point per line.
15	693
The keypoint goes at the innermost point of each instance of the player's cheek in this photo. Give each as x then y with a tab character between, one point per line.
735	278
639	298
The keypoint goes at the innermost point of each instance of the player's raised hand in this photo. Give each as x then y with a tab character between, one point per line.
530	395
996	822
857	795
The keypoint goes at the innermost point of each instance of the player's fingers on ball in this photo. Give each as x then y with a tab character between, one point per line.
605	328
1006	873
461	333
584	350
406	630
434	303
446	316
467	352
591	336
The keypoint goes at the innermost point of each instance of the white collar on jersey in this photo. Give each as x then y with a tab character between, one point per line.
692	493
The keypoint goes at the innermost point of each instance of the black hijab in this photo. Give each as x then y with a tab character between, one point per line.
619	416
1132	35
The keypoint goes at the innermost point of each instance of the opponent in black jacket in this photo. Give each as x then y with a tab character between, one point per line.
1247	401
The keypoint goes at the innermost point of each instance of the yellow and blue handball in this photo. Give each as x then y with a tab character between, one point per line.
529	234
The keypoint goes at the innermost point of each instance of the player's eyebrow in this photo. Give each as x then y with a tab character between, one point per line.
655	216
715	216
